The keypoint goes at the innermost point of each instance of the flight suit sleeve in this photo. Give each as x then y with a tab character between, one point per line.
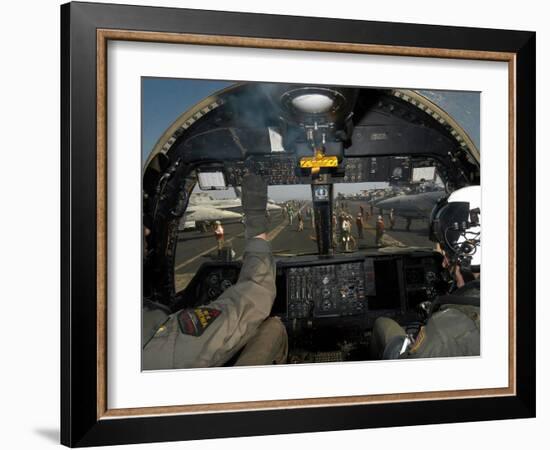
151	320
451	331
210	335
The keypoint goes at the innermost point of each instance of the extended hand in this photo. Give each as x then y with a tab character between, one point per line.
254	198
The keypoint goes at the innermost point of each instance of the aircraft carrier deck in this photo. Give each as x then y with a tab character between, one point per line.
195	247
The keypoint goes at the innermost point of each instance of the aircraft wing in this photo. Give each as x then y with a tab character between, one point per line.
208	213
272	206
417	206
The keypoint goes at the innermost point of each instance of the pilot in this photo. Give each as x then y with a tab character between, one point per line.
453	321
234	329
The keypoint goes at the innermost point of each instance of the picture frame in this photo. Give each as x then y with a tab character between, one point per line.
86	418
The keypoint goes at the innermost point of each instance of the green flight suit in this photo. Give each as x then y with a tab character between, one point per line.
453	330
212	334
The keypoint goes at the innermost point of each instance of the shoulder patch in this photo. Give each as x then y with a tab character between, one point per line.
194	321
419	340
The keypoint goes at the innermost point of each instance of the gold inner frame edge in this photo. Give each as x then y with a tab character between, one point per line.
103	36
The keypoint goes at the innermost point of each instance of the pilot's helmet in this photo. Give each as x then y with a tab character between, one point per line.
456	225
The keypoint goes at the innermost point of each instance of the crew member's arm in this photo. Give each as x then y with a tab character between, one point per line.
154	315
210	335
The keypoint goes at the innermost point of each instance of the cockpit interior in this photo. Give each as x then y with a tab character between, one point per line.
320	137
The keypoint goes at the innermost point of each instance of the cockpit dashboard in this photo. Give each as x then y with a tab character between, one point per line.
311	288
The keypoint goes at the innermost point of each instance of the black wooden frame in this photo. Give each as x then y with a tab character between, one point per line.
79	423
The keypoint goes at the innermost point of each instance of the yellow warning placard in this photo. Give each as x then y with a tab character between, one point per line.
313	162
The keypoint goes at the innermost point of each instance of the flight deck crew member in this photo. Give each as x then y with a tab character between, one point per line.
219	234
290	215
379	231
453	323
300	221
359	223
346	232
237	321
341	218
334	230
392	219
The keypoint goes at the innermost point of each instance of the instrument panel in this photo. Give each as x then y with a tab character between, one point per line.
327	290
282	170
424	279
313	288
365	286
210	281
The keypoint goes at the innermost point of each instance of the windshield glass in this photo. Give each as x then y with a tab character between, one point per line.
367	217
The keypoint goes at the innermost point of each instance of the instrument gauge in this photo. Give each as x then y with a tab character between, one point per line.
430	277
213	279
213	293
225	284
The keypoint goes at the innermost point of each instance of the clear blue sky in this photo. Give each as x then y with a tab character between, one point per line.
462	106
164	99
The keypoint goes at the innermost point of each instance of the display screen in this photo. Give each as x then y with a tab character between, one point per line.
321	193
387	285
212	181
423	174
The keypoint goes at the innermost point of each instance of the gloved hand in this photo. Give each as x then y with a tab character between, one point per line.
254	200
